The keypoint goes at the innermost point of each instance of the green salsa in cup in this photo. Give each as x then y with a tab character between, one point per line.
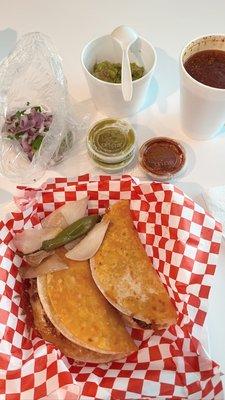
111	143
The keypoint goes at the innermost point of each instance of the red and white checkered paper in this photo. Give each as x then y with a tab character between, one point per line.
182	241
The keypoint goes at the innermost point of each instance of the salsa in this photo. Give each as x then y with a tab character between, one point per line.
207	67
111	72
111	137
111	143
162	157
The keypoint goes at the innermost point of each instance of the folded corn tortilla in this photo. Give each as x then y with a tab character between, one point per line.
49	332
123	272
77	308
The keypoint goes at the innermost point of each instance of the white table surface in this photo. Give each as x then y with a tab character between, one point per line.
169	25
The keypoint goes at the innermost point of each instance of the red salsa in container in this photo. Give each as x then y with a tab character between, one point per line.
162	158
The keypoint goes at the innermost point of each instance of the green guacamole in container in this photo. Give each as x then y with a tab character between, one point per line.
111	72
111	143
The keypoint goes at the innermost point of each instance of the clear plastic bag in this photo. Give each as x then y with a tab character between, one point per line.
33	73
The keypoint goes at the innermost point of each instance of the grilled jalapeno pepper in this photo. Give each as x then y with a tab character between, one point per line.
72	232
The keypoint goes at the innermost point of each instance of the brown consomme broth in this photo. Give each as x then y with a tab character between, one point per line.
207	67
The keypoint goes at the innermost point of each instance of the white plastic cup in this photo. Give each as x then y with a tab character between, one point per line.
202	106
107	96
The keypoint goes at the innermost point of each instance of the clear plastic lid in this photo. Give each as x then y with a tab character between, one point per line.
162	158
111	140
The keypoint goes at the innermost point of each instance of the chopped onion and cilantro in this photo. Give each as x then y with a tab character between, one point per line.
29	127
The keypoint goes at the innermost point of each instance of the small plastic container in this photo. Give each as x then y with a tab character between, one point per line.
162	158
111	144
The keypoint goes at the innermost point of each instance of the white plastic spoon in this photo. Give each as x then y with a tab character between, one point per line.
125	36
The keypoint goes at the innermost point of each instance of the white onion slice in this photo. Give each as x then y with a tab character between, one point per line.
30	240
51	264
66	214
56	218
91	242
71	245
34	259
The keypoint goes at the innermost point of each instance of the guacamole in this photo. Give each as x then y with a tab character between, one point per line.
111	72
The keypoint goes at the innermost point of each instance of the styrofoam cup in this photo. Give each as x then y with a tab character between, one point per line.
202	106
107	96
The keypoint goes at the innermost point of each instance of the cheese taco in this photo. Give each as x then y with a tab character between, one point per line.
123	272
50	333
71	312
